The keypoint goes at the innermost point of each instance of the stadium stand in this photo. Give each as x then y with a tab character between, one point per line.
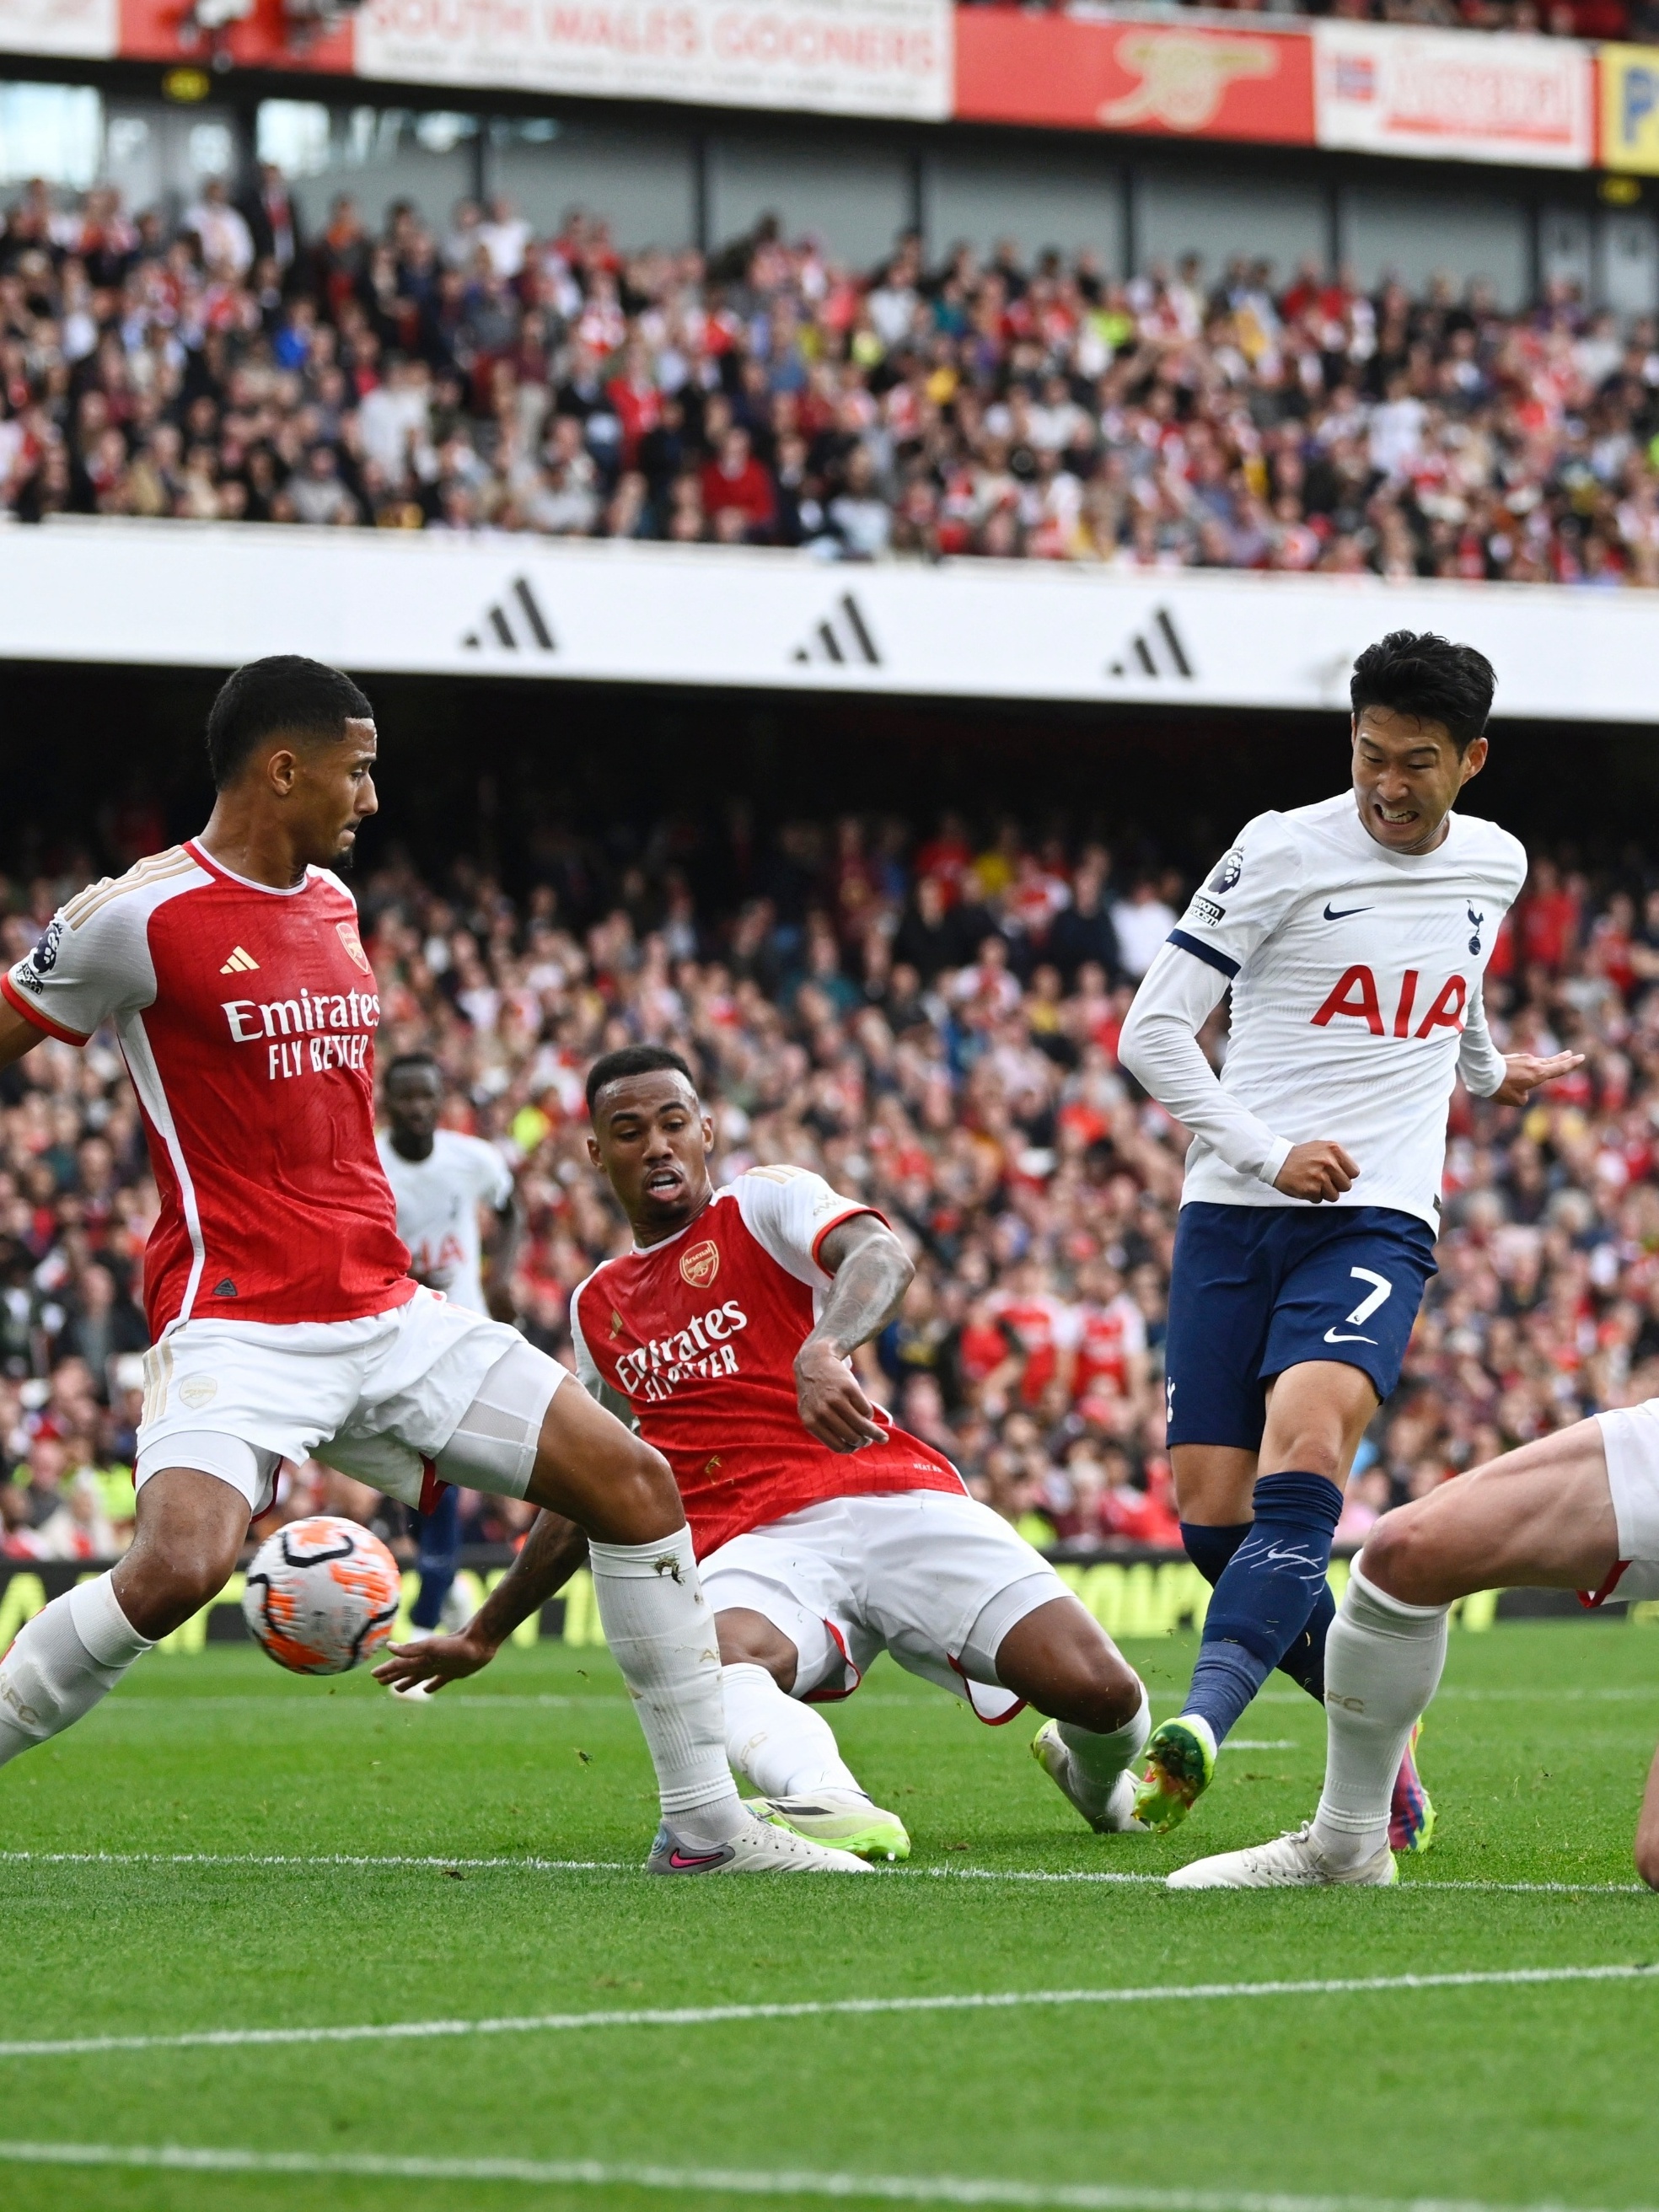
1564	19
482	378
928	1017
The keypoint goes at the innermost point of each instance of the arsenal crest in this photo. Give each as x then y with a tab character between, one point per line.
353	944
701	1264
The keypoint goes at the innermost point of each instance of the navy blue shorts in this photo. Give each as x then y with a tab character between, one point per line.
1256	1288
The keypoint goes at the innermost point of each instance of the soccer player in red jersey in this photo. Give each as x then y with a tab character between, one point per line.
284	1320
825	1534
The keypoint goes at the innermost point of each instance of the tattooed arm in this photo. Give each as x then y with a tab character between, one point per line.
872	1272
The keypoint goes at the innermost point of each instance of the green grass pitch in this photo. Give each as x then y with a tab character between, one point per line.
1514	2094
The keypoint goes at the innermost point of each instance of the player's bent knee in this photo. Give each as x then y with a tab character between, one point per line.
1396	1557
749	1639
158	1595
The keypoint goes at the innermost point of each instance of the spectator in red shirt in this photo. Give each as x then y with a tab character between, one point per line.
1549	920
737	490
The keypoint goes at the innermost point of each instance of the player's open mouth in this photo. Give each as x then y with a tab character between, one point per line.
661	1182
1397	817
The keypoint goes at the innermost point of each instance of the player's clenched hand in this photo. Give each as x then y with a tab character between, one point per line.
1318	1171
832	1406
1527	1071
437	1660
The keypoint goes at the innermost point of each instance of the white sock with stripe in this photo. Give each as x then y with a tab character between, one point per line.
72	1655
784	1746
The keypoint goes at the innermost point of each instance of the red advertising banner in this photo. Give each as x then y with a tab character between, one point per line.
158	30
1075	74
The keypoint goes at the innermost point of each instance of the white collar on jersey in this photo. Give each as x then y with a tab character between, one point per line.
644	1251
194	845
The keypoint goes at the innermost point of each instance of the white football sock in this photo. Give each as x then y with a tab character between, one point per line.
661	1635
1382	1665
72	1653
781	1745
1101	1759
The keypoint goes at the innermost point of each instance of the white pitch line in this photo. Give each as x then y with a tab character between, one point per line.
422	2030
589	2173
1416	1885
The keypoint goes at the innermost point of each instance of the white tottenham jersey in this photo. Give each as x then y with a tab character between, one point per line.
437	1201
1356	976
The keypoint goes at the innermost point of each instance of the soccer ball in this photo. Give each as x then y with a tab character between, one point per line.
322	1596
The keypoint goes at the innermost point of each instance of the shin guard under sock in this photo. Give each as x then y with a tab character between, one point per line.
1266	1595
1211	1551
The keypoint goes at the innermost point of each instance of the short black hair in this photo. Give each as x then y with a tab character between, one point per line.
283	694
427	1060
1415	672
634	1060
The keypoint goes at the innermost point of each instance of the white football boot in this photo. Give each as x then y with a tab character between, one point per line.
758	1848
1292	1861
1109	1812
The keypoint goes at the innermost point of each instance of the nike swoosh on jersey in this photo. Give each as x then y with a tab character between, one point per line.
1332	1337
1341	913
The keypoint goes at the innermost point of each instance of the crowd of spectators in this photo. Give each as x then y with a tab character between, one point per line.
476	377
929	1018
1564	19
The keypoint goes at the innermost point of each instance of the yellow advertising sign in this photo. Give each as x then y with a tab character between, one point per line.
1630	108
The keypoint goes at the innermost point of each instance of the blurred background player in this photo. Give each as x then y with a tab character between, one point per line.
1353	935
443	1182
827	1533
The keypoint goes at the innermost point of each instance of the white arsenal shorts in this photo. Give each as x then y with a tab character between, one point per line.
1630	1437
934	1578
386	1399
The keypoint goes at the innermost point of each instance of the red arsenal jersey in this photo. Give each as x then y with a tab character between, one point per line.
247	1017
695	1340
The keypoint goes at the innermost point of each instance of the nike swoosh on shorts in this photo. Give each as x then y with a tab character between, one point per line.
1332	1337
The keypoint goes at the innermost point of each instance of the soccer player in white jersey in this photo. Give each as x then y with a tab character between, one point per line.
1576	1510
1354	935
443	1184
826	1534
285	1323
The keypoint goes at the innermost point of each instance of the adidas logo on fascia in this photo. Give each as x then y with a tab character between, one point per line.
516	623
1157	650
842	638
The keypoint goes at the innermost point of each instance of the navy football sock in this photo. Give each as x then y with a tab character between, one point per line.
1211	1550
437	1535
1266	1595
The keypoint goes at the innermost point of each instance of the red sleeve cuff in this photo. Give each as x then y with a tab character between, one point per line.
851	1214
19	1005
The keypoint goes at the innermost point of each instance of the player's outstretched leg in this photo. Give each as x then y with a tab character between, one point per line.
1411	1812
73	1653
1059	1660
1383	1664
662	1636
1542	1515
1275	1581
788	1750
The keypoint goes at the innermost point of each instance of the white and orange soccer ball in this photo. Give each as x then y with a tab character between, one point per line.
322	1596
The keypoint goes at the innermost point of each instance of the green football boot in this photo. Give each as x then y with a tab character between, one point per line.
845	1820
1180	1767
